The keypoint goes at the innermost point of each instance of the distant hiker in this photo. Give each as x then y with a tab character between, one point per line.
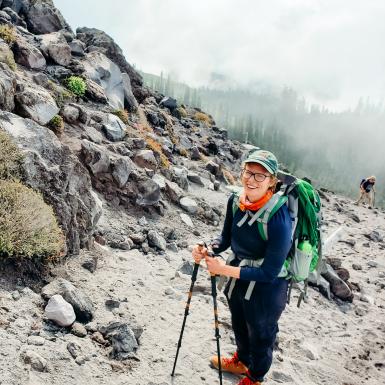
257	294
367	190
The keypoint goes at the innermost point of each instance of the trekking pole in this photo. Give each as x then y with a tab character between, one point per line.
217	335
186	312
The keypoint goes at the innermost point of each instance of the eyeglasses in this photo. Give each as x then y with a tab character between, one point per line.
258	177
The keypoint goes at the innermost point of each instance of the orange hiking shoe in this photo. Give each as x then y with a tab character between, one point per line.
232	365
248	381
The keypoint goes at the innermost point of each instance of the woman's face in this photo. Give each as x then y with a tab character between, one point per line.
251	173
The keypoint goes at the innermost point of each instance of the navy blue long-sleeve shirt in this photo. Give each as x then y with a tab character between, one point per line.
247	243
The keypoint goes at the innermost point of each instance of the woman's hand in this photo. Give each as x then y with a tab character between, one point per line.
215	265
199	252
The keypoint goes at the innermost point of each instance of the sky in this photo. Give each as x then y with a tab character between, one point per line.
330	51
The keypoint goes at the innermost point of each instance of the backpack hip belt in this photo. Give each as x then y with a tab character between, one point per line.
250	263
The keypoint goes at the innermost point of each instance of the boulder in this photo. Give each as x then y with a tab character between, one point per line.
7	88
122	167
156	240
43	17
189	205
55	47
95	92
113	128
77	47
169	103
122	339
37	104
96	158
51	168
146	159
28	55
337	286
130	103
149	193
97	38
15	5
80	302
60	311
187	220
70	114
104	72
173	191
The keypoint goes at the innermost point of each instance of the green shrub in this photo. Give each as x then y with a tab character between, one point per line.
202	117
76	85
7	33
56	124
122	115
62	97
28	227
10	157
10	61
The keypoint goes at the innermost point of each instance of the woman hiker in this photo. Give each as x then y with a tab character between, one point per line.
254	315
367	190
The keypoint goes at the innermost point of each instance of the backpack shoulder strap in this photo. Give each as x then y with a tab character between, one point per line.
279	201
235	206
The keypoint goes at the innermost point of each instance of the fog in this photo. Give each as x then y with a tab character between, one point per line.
330	51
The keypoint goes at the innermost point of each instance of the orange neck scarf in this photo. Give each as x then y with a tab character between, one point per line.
244	203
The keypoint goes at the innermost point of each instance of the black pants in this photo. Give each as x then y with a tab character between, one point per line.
255	322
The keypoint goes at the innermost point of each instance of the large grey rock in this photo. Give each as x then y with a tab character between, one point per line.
122	168
95	157
187	220
337	286
195	178
180	177
160	181
122	339
173	191
81	303
97	38
70	113
28	55
15	5
156	240
146	159
130	102
104	72
15	18
169	103
43	17
189	205
37	104
54	46
60	311
77	47
114	128
149	193
95	92
7	88
51	168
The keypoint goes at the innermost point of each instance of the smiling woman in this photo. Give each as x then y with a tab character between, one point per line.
256	263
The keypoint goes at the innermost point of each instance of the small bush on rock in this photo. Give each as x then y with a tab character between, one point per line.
203	118
56	124
76	85
28	227
8	34
10	157
122	115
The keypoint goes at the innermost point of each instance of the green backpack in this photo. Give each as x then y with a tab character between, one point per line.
304	206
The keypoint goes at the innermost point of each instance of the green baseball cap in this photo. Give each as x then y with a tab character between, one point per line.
265	159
